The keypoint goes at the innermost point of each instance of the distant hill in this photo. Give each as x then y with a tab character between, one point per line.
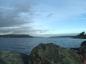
64	35
81	35
16	36
61	36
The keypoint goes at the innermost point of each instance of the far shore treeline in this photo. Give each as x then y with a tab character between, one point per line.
16	36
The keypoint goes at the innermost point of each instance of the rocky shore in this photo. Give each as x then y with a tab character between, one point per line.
82	35
45	54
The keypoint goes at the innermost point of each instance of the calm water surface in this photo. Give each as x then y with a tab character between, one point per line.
25	45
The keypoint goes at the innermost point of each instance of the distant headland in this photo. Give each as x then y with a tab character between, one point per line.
81	35
16	36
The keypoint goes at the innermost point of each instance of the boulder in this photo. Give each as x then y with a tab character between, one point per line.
83	49
53	54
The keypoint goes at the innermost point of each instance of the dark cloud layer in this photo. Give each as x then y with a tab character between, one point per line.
14	14
10	11
16	17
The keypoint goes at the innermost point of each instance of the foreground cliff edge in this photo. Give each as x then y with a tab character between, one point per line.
42	54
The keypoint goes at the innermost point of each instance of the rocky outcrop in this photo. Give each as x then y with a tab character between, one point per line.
83	50
82	35
7	57
53	54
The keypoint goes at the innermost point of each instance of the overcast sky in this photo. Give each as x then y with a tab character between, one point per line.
38	17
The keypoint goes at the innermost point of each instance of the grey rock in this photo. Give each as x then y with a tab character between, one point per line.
53	54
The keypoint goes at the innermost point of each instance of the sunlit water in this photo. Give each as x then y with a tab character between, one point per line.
25	45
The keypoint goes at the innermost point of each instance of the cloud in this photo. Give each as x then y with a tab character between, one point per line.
61	9
11	14
15	16
54	14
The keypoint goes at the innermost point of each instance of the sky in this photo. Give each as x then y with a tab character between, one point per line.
40	17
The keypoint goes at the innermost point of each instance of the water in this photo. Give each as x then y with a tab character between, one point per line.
25	45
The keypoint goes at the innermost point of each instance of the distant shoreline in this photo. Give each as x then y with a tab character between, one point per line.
16	36
81	35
